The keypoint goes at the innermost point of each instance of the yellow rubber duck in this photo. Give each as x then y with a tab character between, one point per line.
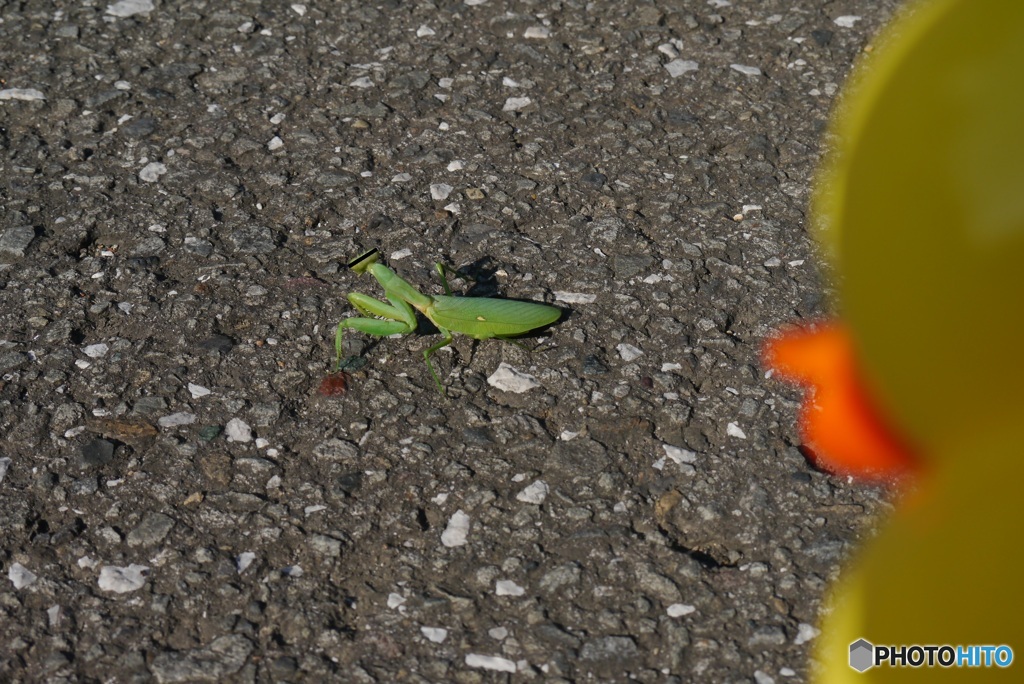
922	210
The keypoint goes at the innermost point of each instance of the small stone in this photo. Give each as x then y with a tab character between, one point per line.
25	94
679	610
275	143
16	240
238	430
20	576
96	351
490	662
128	8
176	419
299	9
474	194
806	632
440	191
363	82
152	171
508	379
395	600
97	453
734	430
401	178
508	588
148	247
628	352
434	634
325	546
122	580
678	67
575	297
197	391
516	104
539	32
762	678
846	21
335	449
744	69
5	463
152	530
244	560
424	31
534	493
595	180
679	455
457	530
497	633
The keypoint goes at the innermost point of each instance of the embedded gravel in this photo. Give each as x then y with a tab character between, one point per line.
182	499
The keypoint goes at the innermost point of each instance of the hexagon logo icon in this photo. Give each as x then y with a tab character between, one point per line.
862	655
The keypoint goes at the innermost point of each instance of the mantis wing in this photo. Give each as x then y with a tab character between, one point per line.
483	318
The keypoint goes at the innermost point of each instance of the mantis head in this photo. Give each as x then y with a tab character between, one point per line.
363	262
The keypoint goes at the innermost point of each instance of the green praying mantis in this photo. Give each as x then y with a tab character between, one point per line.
478	317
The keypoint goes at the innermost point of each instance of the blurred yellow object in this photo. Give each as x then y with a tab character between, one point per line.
922	207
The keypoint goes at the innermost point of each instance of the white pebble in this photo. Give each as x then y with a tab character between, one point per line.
805	632
238	430
515	104
128	8
508	379
53	615
435	634
25	94
734	430
20	576
424	31
679	455
847	20
96	351
679	610
275	143
455	165
568	435
490	662
474	3
176	419
122	580
457	530
400	254
628	352
744	69
5	463
537	32
440	191
762	678
666	367
152	171
498	633
575	297
678	67
395	600
197	391
244	560
363	82
669	50
508	588
401	178
534	493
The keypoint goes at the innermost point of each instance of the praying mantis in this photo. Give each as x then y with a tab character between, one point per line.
478	317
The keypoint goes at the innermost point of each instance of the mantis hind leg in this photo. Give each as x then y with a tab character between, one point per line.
433	348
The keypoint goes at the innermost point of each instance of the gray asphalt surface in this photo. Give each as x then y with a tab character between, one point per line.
181	499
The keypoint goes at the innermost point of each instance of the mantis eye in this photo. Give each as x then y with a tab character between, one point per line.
363	262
